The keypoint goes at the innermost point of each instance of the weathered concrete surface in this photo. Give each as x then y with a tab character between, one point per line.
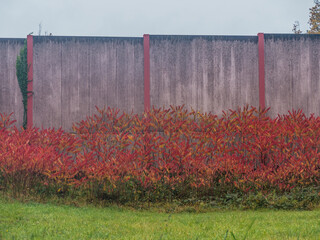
10	94
72	75
292	66
207	73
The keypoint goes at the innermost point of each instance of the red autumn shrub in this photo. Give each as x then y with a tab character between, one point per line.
166	153
32	156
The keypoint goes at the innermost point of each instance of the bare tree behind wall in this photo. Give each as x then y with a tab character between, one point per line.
314	20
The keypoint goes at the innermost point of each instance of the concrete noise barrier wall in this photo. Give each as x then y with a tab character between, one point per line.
10	95
292	72
72	75
206	73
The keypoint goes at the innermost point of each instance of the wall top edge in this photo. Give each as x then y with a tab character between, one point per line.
291	36
168	37
206	37
38	39
12	40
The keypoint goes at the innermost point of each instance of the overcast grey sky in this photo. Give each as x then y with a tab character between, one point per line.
137	17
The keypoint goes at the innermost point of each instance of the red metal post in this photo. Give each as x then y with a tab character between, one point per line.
146	46
262	103
30	81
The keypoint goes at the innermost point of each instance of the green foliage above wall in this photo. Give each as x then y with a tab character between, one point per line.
22	75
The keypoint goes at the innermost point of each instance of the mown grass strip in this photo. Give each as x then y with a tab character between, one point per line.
48	221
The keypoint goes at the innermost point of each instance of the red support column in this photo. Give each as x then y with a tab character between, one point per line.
262	103
146	46
30	81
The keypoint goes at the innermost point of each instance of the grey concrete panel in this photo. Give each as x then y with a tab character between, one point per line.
47	74
206	73
292	73
75	83
10	94
72	75
89	72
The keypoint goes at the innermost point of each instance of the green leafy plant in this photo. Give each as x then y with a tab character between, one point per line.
22	76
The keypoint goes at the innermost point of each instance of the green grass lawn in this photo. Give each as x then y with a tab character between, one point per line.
48	221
